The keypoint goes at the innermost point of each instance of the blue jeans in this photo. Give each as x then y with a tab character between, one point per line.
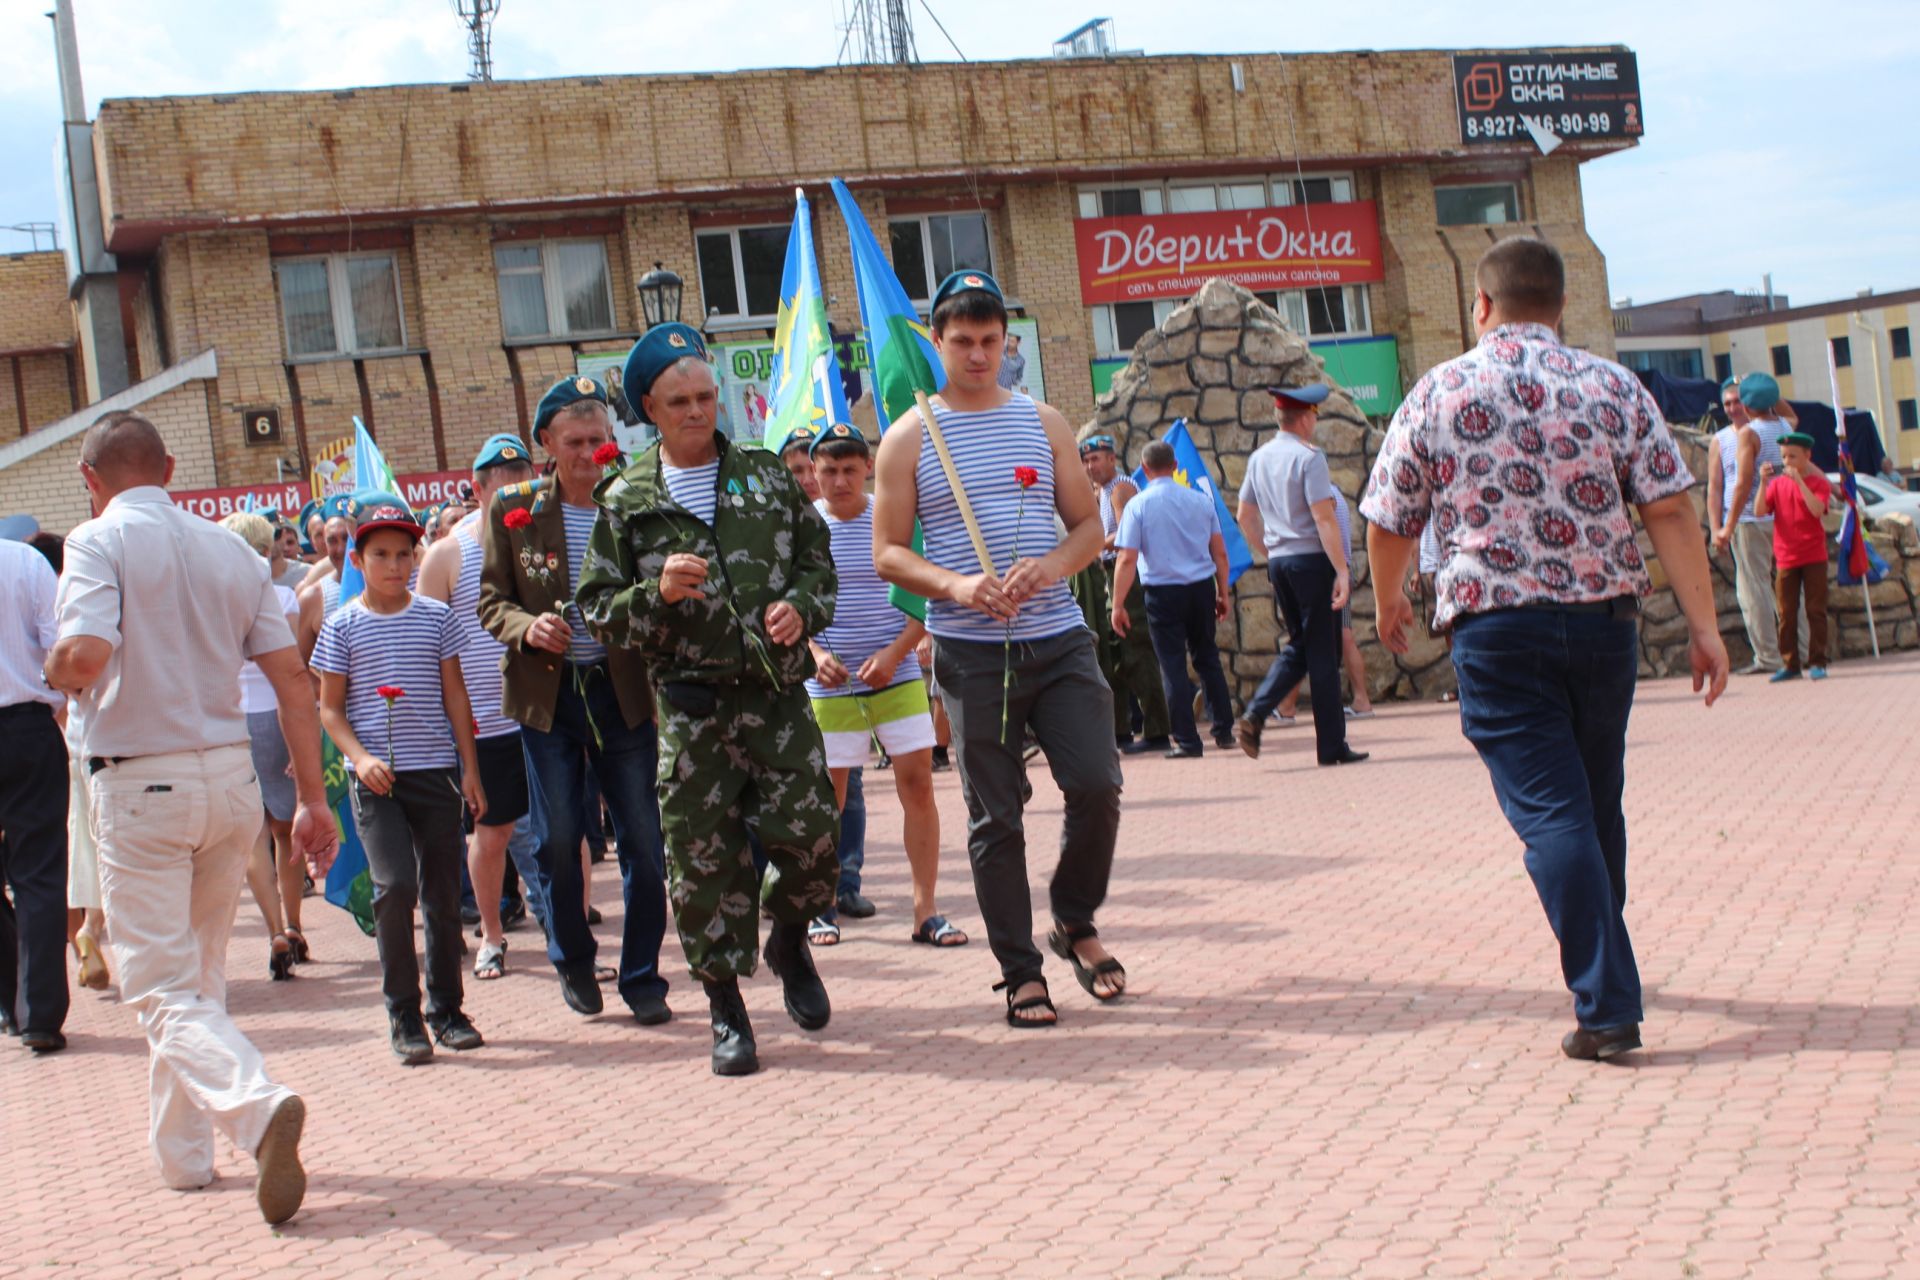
1544	698
853	842
625	762
523	874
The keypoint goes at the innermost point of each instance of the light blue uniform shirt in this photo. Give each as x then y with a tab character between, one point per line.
1172	527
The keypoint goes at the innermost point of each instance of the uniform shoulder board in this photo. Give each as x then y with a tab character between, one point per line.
524	489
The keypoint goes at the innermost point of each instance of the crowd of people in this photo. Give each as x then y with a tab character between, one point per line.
712	641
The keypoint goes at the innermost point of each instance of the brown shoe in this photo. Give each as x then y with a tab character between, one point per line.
1247	734
280	1183
1597	1046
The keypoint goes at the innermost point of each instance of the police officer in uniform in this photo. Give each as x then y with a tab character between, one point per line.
710	563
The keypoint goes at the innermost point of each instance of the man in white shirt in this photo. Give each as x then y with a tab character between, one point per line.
33	801
156	611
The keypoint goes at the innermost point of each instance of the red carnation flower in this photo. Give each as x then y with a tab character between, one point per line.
607	454
391	691
518	518
1026	477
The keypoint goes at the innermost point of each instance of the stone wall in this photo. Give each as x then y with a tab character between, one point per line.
1210	364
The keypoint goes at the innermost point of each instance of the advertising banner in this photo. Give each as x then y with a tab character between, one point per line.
744	371
217	504
1171	255
1547	98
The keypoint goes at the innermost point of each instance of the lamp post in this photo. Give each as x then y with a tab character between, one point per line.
660	292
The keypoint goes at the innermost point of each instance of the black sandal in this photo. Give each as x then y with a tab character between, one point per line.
1042	1001
298	941
1061	940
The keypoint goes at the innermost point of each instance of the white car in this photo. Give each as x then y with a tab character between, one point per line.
1880	497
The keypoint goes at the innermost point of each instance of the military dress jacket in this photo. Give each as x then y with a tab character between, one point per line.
766	544
523	574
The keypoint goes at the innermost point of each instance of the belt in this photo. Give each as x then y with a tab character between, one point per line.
1617	607
96	763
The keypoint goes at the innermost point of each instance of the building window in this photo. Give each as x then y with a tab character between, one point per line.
1313	189
1476	206
1331	312
341	304
1909	411
554	288
740	271
1674	362
1120	202
926	250
1842	353
1723	366
1782	362
1902	339
1212	197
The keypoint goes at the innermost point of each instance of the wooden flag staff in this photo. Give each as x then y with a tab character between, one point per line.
953	481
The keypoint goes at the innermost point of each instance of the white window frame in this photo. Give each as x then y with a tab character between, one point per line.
340	298
926	244
1519	209
1280	185
556	304
1277	187
1106	336
725	319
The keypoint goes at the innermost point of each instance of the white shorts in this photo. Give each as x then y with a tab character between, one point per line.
899	717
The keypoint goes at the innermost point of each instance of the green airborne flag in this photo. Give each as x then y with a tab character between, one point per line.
805	388
899	345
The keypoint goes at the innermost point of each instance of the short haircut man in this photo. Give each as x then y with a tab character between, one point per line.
1524	278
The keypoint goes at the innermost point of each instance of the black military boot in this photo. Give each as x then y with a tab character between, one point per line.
734	1053
791	958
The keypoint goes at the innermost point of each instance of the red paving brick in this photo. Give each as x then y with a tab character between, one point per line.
1340	1057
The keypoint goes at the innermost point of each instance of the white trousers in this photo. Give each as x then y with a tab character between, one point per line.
1753	586
174	833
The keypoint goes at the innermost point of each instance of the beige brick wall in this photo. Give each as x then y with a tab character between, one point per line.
48	485
34	311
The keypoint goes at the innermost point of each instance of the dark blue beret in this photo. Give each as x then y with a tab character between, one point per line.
657	351
963	282
563	393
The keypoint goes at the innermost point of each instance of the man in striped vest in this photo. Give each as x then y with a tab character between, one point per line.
1012	652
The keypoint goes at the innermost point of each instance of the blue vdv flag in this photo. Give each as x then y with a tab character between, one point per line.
1190	469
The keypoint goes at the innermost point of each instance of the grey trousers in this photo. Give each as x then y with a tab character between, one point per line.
414	851
1058	693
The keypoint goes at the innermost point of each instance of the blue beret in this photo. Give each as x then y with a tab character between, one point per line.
504	447
1310	393
963	282
18	528
373	509
337	504
1092	443
563	393
657	351
838	431
801	436
1759	391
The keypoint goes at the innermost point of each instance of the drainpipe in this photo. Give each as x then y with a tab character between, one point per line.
92	272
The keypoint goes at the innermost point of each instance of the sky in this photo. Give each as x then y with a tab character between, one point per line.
1781	137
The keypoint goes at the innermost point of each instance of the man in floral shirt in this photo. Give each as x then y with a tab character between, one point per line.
1525	454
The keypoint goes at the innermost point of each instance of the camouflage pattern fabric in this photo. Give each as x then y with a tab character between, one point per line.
739	749
755	763
1126	661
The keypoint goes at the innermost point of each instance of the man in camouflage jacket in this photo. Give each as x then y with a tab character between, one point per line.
709	561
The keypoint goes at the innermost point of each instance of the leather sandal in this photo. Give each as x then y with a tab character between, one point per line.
1041	1001
1061	940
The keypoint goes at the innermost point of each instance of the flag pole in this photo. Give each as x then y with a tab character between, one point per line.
1847	487
953	480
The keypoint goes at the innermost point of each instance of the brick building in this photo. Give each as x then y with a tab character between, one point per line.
431	257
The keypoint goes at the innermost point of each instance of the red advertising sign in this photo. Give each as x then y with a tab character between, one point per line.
421	490
1171	255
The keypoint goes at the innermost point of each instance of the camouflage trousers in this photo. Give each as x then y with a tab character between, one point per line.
754	764
1126	661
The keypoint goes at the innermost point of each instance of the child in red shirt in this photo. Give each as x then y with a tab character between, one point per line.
1797	496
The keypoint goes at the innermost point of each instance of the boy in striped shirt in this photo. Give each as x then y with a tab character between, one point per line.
867	681
393	700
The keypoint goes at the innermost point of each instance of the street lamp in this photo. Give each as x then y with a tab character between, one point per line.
660	291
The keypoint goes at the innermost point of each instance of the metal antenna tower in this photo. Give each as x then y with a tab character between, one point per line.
478	16
878	31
